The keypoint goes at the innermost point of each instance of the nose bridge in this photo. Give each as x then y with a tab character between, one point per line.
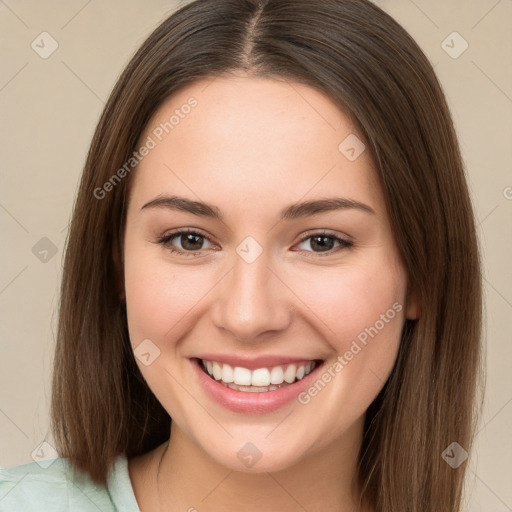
251	300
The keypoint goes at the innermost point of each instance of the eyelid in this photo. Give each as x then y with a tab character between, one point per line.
325	232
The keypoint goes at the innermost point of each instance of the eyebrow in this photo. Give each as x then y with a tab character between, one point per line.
294	211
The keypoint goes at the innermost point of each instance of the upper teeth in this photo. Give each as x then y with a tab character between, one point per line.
259	377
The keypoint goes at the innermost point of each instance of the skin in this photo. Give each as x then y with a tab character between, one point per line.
252	147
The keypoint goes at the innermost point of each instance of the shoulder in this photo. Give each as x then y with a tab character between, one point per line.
57	486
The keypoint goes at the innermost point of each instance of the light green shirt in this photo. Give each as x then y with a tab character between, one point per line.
59	488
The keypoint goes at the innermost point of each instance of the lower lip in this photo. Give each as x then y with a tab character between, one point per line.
252	402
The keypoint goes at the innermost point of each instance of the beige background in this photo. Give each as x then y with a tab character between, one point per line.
49	109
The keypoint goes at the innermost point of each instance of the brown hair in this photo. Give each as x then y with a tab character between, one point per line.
368	65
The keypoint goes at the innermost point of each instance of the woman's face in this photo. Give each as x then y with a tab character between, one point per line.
269	277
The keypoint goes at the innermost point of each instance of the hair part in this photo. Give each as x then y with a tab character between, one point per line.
369	66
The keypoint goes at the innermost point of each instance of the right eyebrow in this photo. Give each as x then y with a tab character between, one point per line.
185	205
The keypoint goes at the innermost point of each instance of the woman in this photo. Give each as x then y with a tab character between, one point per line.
273	245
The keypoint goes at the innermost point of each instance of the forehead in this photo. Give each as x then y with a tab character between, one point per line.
246	142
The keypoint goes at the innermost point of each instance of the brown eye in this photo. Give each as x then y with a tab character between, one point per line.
184	242
191	242
324	243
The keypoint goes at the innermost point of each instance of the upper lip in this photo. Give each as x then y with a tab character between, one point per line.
266	361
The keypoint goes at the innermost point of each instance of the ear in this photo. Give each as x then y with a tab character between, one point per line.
412	304
119	273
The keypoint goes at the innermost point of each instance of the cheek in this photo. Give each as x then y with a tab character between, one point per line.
359	308
158	297
161	303
363	309
353	297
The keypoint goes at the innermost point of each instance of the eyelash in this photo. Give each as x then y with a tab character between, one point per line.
166	239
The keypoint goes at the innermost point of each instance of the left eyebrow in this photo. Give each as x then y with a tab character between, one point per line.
294	211
308	208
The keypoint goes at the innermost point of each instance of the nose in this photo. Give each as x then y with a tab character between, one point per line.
251	301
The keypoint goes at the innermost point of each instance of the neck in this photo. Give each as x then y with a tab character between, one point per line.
179	475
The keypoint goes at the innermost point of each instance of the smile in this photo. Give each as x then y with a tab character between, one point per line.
254	386
260	379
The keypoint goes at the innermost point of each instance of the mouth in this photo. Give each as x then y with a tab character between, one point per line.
258	380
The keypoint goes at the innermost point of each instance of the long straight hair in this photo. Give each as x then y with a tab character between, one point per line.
369	66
